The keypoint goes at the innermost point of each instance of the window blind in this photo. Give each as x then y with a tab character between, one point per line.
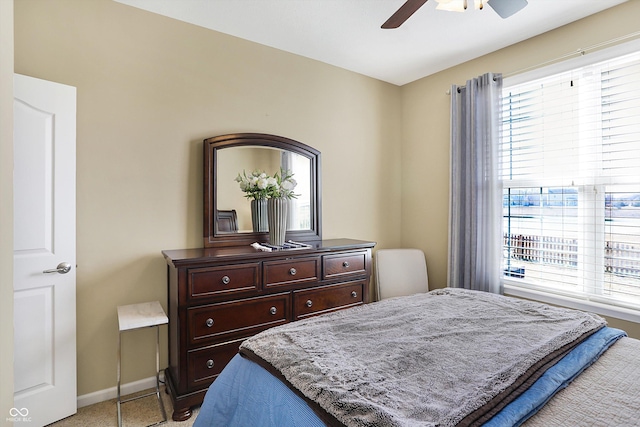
570	157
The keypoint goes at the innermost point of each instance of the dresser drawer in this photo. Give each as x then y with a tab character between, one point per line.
241	317
290	271
206	363
314	301
344	265
204	282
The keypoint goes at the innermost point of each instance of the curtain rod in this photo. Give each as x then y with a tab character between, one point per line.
580	51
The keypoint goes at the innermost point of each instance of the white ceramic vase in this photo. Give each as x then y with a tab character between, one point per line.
277	215
259	215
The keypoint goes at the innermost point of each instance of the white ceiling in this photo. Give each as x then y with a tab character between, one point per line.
347	33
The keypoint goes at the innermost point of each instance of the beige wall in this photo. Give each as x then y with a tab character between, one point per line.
6	209
149	90
425	127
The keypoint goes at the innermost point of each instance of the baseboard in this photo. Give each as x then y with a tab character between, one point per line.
112	393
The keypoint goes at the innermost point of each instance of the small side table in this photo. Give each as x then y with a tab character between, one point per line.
136	316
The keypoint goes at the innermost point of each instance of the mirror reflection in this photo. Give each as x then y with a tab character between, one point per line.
234	209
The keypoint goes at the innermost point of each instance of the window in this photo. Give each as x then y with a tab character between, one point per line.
570	154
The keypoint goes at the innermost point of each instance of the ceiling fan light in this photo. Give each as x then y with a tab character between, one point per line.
452	5
479	4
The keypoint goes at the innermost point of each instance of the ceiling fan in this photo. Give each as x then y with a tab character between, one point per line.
504	8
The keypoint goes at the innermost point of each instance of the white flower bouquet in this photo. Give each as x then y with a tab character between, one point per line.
258	185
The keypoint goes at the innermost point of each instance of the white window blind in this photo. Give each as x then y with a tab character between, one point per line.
570	150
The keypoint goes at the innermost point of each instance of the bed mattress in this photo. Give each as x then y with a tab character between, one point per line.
607	393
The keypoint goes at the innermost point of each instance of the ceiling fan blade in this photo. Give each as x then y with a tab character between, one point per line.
402	14
506	8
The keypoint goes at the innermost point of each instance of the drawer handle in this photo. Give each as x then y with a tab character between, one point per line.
226	280
292	271
309	303
210	363
273	310
209	322
345	264
354	294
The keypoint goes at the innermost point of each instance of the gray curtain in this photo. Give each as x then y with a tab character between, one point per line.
475	193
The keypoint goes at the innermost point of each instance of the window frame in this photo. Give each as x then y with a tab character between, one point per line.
519	288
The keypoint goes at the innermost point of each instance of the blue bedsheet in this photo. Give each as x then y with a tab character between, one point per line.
556	378
245	394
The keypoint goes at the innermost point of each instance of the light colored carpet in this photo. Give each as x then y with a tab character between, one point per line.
137	413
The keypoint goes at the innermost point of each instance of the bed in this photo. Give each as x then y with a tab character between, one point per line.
449	357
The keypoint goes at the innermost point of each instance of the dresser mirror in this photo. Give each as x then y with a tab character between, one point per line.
227	212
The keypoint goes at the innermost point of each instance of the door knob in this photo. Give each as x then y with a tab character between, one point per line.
62	268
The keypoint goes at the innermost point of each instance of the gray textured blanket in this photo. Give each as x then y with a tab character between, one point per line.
448	357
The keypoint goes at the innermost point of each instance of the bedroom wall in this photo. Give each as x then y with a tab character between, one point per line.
425	127
150	89
6	209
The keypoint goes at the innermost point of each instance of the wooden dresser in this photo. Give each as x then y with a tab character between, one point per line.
220	296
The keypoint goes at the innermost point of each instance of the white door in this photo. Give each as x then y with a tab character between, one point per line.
44	238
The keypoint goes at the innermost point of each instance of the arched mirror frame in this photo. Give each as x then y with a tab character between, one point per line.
212	238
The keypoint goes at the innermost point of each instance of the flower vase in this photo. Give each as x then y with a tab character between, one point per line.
259	215
277	208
